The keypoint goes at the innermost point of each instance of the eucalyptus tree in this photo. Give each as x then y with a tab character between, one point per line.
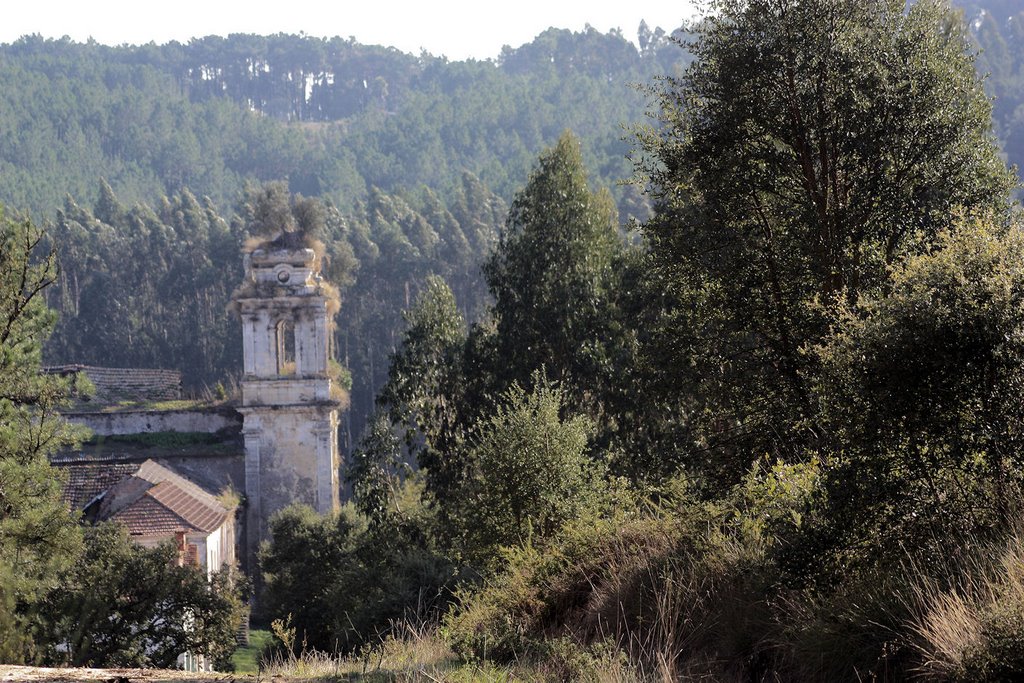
552	278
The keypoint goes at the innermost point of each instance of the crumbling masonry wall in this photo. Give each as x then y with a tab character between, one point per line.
113	385
289	403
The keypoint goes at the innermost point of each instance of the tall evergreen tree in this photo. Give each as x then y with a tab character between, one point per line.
552	278
38	534
424	396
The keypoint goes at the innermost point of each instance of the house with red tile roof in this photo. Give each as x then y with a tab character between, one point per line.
156	505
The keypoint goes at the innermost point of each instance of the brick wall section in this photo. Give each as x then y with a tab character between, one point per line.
114	385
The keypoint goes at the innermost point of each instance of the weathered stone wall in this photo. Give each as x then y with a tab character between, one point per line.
206	420
285	391
213	471
127	384
291	456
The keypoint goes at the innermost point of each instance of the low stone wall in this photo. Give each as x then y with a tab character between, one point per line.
207	421
126	384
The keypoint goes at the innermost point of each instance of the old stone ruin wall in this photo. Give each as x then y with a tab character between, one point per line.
116	385
143	421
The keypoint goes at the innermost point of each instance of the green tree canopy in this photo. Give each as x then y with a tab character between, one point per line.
126	605
342	583
424	396
810	146
552	276
38	534
530	472
922	399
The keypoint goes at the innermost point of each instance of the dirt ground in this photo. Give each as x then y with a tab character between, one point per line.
34	674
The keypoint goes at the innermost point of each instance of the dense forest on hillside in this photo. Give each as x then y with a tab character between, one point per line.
998	28
331	117
414	158
147	161
335	118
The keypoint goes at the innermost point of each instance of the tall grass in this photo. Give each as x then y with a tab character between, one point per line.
712	614
413	652
972	629
698	595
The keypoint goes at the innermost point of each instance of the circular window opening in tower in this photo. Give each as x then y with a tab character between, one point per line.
283	276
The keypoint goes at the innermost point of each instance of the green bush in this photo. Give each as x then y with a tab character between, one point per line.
531	473
343	582
126	605
599	578
1000	655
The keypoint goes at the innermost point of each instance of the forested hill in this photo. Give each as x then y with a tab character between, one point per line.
333	117
998	26
147	164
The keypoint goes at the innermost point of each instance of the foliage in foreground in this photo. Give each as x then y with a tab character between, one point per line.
838	339
342	582
693	590
104	601
904	561
655	600
38	536
921	393
125	605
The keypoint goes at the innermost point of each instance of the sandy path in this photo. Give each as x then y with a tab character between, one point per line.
34	674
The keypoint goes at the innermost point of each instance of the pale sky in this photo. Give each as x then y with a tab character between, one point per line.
457	29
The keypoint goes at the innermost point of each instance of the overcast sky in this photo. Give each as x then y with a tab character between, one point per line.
457	29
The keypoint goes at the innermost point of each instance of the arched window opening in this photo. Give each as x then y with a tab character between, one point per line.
285	348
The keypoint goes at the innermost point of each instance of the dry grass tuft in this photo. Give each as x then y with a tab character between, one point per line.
411	653
976	626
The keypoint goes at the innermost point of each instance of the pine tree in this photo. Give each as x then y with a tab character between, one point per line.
38	535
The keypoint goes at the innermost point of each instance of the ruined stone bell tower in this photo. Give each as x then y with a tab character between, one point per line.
289	401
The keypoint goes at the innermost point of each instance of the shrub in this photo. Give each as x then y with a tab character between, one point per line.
673	584
531	473
920	398
344	582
